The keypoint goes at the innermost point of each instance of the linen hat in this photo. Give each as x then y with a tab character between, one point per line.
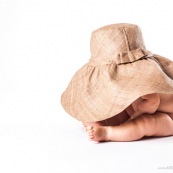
119	71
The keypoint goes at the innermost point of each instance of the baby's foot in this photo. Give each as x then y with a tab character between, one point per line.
97	133
94	124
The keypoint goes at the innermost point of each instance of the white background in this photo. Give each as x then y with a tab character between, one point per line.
42	44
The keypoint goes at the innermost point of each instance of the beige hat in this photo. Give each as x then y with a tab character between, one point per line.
119	71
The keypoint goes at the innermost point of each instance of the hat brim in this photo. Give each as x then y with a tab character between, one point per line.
101	92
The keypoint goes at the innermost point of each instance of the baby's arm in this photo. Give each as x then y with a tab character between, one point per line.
158	124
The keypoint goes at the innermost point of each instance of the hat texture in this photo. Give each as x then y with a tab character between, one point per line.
119	71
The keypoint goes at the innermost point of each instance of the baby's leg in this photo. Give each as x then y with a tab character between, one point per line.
163	125
158	124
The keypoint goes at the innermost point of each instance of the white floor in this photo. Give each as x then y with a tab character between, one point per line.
63	147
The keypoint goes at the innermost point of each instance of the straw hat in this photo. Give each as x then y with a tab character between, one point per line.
119	71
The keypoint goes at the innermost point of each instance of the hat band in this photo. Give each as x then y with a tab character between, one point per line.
121	58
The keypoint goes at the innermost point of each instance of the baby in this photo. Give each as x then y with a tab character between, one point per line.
124	92
149	115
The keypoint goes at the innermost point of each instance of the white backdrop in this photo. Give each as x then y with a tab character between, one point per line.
42	44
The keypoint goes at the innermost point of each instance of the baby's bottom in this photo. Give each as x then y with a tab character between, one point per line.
158	124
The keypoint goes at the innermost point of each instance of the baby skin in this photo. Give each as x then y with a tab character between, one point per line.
149	115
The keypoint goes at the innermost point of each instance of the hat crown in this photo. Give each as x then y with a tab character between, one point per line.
111	40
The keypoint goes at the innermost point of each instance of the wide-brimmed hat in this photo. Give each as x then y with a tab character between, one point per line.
119	71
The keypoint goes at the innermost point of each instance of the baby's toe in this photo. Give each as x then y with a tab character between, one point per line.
89	127
90	132
91	136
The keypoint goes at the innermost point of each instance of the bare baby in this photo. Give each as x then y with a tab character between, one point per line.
149	115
